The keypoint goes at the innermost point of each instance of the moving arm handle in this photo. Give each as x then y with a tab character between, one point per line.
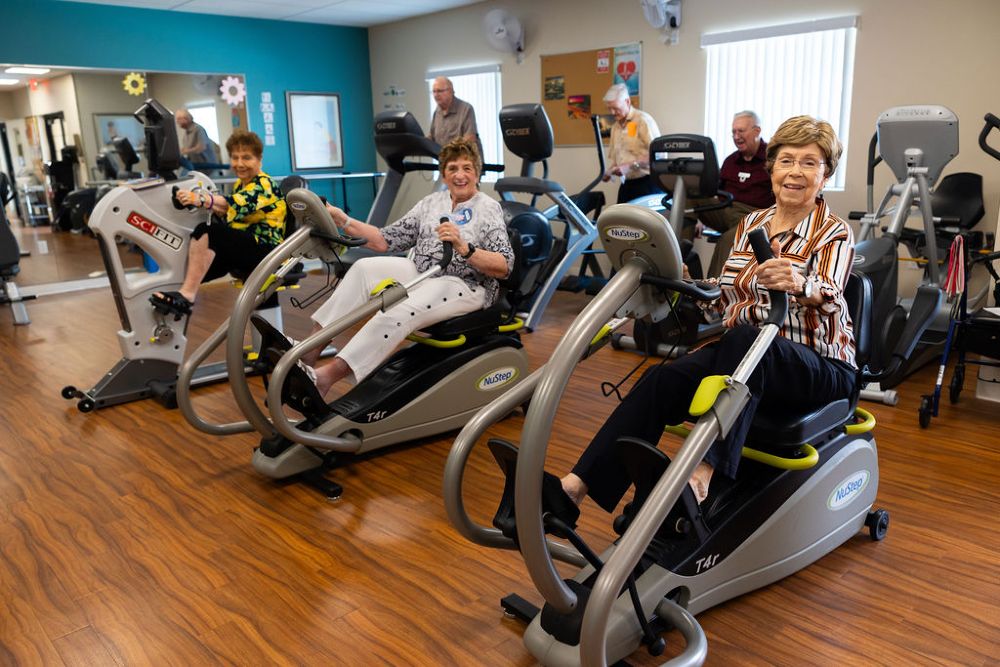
779	299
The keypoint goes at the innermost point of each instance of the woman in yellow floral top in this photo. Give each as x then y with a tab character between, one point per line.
245	225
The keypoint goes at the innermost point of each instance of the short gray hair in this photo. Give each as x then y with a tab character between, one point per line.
617	93
747	113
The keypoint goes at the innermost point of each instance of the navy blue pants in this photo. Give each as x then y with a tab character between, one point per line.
790	378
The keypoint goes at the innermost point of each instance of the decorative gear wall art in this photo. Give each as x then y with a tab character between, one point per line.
134	84
233	91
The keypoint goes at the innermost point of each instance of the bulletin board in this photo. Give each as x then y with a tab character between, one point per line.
574	84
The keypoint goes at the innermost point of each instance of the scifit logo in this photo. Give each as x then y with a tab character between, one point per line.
626	234
159	233
497	378
845	492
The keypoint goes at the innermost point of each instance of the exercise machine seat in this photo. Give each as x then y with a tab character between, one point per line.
486	321
960	195
776	431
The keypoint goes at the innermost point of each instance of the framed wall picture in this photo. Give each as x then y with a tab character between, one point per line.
111	125
314	130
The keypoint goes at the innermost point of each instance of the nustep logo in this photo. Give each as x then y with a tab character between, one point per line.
626	234
159	233
497	378
848	489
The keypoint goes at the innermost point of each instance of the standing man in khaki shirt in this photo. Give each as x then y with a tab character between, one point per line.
628	152
453	117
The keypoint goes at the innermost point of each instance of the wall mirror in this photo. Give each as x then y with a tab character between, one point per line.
61	124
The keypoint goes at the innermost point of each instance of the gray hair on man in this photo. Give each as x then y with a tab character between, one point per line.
617	93
747	113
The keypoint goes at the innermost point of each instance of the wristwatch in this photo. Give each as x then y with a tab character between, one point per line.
807	290
471	250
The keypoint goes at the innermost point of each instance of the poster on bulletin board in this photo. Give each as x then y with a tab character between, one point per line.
574	84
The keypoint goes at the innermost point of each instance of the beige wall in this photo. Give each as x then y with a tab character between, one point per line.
6	105
908	52
101	93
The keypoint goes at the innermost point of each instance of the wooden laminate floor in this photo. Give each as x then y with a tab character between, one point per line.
129	538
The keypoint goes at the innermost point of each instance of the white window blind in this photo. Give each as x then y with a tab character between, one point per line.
480	87
204	115
780	72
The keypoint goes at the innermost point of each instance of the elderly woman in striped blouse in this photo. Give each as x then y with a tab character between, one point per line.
809	365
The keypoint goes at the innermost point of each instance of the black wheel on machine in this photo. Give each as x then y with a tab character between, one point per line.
85	405
616	343
69	391
925	412
878	524
957	381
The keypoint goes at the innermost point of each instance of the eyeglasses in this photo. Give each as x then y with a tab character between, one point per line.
439	90
807	165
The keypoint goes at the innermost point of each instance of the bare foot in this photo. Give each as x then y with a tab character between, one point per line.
700	479
574	488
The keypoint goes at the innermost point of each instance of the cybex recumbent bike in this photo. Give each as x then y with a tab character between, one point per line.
808	484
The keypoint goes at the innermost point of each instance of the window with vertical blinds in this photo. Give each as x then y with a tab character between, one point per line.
779	72
480	87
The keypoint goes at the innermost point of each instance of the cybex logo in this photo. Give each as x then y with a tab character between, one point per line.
676	145
626	234
517	131
497	378
848	489
385	126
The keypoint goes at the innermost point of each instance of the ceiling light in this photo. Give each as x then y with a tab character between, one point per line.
9	82
27	70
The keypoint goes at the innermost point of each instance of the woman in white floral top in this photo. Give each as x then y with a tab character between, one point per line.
471	221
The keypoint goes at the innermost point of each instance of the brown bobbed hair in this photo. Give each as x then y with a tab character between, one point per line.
461	148
800	131
247	141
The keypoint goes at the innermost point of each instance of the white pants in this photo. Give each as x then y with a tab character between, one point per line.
432	301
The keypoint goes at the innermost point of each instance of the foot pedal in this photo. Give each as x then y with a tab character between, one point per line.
554	499
645	465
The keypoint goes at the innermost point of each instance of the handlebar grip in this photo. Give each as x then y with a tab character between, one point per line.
446	255
856	215
779	299
177	202
448	250
991	123
761	248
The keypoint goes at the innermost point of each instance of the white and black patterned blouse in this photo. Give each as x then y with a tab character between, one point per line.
821	247
480	222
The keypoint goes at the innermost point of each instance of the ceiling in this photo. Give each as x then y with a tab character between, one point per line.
361	13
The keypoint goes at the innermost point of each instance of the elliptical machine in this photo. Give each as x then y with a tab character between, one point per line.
527	133
917	142
810	483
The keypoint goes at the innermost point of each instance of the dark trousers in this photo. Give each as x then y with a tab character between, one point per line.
790	378
637	187
236	252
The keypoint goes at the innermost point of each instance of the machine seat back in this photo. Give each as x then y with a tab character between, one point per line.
486	321
771	431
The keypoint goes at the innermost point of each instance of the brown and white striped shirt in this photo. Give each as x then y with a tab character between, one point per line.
821	247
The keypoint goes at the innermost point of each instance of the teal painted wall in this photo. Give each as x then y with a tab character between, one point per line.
275	56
